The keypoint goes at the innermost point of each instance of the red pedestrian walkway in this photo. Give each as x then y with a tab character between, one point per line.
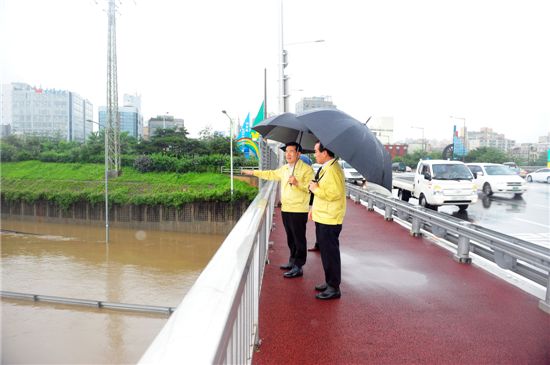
404	301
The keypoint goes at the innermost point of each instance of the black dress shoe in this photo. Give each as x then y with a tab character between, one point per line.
286	266
321	287
294	273
329	293
314	248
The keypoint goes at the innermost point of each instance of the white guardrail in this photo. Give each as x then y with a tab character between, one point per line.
522	257
217	321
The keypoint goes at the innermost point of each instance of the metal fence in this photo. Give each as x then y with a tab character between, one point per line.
522	257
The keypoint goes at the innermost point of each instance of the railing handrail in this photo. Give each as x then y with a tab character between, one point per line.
200	330
237	170
507	250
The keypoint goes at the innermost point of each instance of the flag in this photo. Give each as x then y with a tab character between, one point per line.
259	117
244	140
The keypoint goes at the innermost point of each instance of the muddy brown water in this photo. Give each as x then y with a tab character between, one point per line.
137	267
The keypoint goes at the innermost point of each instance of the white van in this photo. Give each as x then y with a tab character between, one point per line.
496	178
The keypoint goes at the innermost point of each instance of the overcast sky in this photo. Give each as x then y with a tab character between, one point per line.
487	61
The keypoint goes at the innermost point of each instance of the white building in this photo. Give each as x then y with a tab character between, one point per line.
46	112
382	128
314	102
485	137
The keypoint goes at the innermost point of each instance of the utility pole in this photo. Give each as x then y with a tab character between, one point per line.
112	127
112	121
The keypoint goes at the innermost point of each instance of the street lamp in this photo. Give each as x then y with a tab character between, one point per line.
423	140
164	120
463	135
283	79
106	181
230	148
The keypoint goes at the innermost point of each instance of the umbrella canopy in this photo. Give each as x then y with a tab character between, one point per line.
352	141
287	128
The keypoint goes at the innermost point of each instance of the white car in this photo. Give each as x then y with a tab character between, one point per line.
350	173
539	175
496	178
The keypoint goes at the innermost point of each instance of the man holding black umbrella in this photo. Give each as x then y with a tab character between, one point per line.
294	177
328	210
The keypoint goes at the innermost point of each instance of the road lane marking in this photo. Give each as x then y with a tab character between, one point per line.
531	222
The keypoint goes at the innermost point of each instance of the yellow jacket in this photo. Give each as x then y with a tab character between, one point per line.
329	204
294	199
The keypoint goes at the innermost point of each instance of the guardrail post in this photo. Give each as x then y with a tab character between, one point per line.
463	250
370	204
416	226
545	304
388	213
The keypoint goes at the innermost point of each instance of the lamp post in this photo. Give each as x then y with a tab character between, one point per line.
463	135
164	120
283	62
423	140
106	182
230	149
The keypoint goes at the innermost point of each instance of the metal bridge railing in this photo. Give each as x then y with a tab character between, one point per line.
217	321
522	257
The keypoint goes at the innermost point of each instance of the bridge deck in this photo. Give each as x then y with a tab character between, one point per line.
404	300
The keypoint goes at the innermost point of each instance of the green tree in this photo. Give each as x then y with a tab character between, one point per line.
487	154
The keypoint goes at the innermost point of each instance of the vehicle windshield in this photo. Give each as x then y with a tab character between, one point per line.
499	170
345	165
451	172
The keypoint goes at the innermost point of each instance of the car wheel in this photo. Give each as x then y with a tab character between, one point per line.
424	203
518	195
462	207
487	189
404	195
529	178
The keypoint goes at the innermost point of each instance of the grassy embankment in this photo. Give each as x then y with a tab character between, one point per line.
67	183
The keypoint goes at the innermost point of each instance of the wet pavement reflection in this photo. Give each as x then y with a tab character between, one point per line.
137	267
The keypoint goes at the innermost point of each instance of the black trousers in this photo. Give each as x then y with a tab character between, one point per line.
329	245
295	227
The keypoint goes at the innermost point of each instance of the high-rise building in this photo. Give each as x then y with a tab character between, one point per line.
314	102
46	112
131	120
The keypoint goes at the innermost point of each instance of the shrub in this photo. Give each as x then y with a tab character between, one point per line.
143	164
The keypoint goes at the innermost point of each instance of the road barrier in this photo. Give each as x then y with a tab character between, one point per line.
522	257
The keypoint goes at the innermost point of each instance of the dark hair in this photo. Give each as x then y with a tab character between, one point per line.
323	148
295	144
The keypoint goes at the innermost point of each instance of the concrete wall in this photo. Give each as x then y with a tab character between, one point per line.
197	217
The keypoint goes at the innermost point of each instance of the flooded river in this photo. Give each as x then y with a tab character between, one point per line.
137	267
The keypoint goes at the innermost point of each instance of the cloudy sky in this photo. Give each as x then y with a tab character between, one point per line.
420	61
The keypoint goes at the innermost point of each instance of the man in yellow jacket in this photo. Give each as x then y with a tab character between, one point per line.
328	210
294	177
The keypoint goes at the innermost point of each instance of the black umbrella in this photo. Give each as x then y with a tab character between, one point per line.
286	128
352	141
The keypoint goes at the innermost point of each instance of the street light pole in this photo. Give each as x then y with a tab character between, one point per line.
230	149
423	140
106	180
283	62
